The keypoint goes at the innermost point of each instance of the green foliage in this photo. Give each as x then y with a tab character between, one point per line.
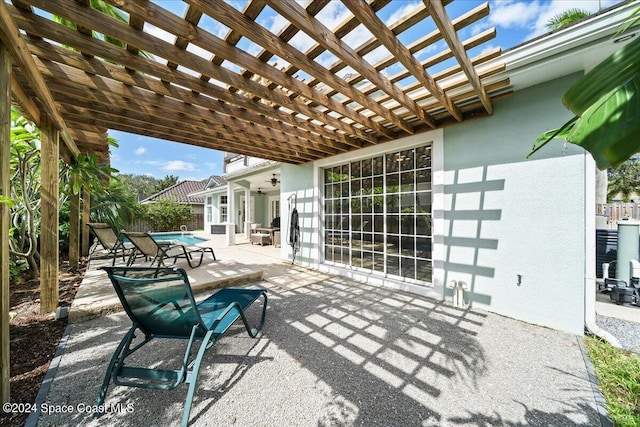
7	201
618	373
17	268
624	180
606	104
117	206
166	182
25	186
166	215
64	227
142	186
107	9
567	17
88	173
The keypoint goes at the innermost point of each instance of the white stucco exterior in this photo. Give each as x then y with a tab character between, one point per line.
513	229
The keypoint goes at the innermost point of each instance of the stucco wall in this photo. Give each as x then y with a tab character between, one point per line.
297	189
501	214
506	215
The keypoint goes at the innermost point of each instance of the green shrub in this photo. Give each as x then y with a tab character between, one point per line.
16	270
166	215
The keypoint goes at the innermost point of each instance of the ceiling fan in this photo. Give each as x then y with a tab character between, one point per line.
260	192
274	181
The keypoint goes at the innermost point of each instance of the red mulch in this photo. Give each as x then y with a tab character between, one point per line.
34	338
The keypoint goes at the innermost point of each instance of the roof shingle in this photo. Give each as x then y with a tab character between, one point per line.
180	193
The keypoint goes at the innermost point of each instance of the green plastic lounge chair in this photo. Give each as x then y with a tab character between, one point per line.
110	241
160	303
159	251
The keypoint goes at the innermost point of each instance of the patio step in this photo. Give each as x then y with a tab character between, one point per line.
96	296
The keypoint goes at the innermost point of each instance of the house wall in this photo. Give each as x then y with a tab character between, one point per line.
215	210
262	207
506	215
298	188
512	228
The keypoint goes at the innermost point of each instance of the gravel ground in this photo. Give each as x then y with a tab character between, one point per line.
339	353
627	333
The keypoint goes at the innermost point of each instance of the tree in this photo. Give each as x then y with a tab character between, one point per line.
26	185
142	186
117	206
25	191
625	180
166	182
606	104
567	17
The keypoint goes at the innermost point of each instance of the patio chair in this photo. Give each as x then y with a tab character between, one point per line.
110	241
158	251
160	303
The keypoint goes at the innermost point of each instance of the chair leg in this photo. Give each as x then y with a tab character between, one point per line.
192	378
188	255
124	344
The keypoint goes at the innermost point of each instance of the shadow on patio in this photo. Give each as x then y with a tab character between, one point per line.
336	353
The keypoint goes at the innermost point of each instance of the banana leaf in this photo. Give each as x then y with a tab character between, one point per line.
611	73
610	128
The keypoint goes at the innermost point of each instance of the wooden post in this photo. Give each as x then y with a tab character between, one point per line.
74	232
49	258
86	210
5	147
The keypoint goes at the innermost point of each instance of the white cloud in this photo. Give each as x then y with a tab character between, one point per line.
532	15
402	11
140	151
179	165
514	14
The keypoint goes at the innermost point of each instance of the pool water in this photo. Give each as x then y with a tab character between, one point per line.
189	239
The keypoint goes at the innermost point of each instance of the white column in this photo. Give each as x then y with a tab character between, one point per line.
231	214
247	212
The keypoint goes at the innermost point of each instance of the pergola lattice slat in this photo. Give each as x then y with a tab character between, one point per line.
238	99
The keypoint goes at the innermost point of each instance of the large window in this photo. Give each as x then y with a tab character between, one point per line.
377	214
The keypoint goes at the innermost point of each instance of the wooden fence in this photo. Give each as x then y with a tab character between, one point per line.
196	223
615	212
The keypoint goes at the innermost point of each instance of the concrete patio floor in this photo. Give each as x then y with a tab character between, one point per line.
334	352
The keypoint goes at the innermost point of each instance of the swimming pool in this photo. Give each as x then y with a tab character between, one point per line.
187	238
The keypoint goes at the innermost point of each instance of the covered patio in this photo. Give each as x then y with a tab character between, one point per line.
249	91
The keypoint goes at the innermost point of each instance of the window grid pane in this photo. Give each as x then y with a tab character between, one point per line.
378	214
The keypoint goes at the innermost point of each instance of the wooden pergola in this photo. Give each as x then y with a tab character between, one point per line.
221	78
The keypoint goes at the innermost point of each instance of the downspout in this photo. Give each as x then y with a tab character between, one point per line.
590	326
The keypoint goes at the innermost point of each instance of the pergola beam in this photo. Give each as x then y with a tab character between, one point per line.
449	34
5	192
232	80
65	36
12	38
370	20
325	37
49	256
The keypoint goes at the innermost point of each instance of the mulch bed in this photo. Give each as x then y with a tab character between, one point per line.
34	338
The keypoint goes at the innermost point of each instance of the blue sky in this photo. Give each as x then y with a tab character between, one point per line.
516	21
